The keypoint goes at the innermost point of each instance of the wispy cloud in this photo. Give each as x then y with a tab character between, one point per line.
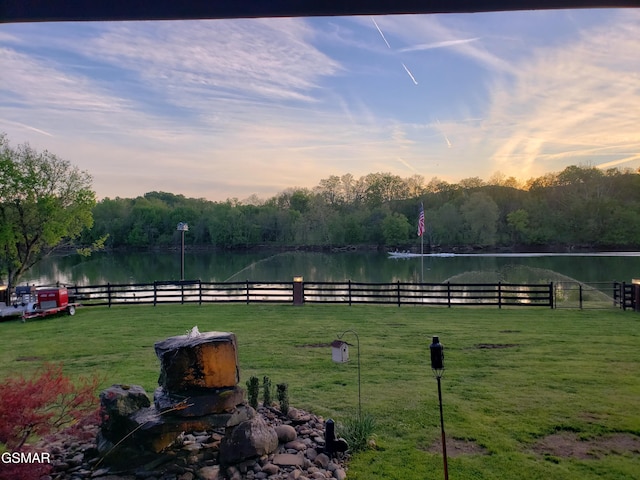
578	101
30	81
199	61
229	108
441	44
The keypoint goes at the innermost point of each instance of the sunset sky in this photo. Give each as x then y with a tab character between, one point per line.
230	108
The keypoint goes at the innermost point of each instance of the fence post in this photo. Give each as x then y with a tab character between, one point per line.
199	292
449	294
155	293
247	292
580	290
109	294
617	295
551	296
499	295
398	293
182	293
349	292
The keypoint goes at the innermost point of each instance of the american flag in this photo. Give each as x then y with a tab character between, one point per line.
421	221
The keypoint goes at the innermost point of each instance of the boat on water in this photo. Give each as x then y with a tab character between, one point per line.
407	254
412	255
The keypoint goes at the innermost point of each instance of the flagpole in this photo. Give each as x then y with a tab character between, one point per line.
421	231
422	258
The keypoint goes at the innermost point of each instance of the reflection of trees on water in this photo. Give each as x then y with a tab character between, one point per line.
144	267
566	290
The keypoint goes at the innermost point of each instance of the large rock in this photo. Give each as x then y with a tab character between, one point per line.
123	400
198	402
155	431
250	439
117	404
204	360
286	433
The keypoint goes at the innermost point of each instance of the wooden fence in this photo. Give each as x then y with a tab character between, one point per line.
398	293
627	295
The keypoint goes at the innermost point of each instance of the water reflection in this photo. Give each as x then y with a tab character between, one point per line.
128	268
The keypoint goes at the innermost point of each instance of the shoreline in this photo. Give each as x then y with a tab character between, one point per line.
414	249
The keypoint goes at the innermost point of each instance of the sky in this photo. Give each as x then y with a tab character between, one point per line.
222	109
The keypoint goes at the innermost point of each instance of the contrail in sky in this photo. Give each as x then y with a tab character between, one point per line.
445	43
618	162
27	127
412	78
406	164
445	135
385	41
381	34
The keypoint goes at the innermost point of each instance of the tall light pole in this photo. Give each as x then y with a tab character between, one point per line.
437	366
182	227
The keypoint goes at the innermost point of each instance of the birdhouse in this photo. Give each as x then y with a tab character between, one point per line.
339	351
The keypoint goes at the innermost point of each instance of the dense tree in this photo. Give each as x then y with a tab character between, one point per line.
385	187
480	213
45	203
395	228
331	190
577	206
446	223
518	222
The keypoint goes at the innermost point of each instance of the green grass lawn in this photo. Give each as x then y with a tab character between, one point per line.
513	376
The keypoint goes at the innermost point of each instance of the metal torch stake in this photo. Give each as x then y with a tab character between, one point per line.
444	442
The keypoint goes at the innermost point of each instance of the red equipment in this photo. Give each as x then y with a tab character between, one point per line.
50	302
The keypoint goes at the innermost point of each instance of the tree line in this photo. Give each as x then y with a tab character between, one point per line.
580	206
47	204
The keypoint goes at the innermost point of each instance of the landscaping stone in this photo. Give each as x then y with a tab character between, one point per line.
199	426
117	404
199	461
252	438
289	459
286	433
197	403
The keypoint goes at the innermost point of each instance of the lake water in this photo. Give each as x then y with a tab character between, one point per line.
126	268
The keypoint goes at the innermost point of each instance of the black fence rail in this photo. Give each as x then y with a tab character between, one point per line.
444	294
398	293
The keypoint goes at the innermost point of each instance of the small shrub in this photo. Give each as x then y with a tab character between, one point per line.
45	403
283	397
266	391
358	432
253	391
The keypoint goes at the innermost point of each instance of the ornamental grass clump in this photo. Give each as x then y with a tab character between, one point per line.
358	432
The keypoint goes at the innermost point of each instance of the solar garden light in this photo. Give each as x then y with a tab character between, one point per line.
340	354
437	366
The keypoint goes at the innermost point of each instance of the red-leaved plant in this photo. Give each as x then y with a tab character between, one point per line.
46	403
